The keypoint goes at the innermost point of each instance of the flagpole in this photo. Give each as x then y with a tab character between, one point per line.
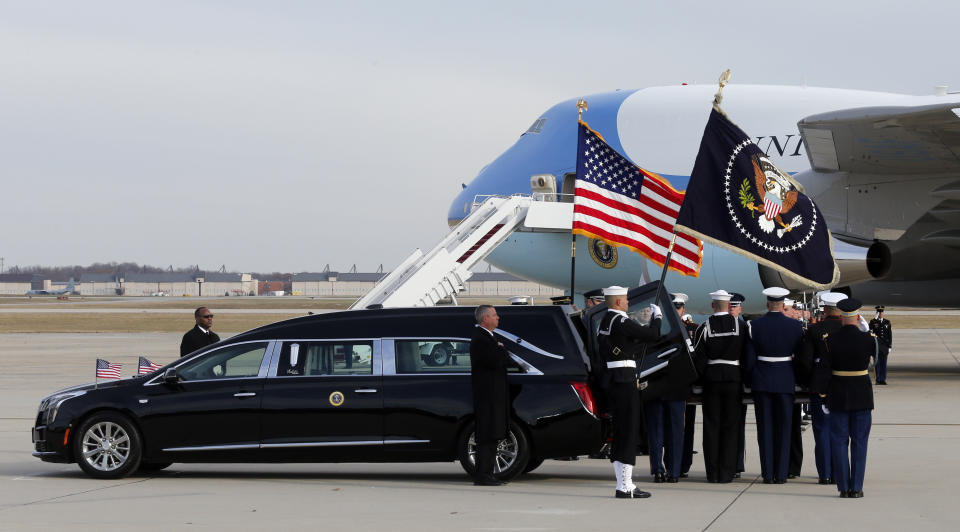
95	376
581	107
666	265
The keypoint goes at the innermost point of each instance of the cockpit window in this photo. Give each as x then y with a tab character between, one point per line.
537	126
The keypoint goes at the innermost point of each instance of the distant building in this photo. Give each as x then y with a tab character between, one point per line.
167	284
16	283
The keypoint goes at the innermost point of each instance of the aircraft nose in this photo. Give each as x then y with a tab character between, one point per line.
548	146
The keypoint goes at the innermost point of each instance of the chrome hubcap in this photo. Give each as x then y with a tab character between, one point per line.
505	456
106	446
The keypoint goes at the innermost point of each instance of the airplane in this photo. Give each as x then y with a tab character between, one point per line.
884	169
69	289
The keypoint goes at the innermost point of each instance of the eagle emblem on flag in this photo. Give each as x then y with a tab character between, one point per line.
779	196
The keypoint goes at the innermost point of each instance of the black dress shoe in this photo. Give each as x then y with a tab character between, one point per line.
832	480
488	481
791	476
844	494
780	481
768	481
672	480
636	494
659	478
684	475
855	494
823	481
736	475
882	383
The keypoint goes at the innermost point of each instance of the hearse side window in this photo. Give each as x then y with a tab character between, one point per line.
309	358
231	362
432	356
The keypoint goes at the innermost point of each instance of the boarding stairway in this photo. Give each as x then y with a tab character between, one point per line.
422	280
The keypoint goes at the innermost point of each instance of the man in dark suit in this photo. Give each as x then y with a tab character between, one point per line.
776	340
491	396
200	335
849	398
881	328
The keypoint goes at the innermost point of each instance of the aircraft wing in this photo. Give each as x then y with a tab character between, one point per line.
875	171
884	140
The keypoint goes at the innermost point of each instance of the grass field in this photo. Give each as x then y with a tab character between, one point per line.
79	320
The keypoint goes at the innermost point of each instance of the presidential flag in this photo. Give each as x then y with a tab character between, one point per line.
107	370
625	205
738	200
145	366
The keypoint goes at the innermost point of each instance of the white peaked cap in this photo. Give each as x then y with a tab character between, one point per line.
830	299
720	295
775	293
614	291
788	302
680	298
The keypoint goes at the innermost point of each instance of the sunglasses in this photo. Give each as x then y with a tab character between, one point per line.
206	316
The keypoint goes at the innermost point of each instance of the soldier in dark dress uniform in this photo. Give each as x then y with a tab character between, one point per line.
690	411
849	398
881	328
776	339
736	310
621	340
721	346
491	395
810	366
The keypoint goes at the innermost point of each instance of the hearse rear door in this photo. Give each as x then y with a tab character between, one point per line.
665	364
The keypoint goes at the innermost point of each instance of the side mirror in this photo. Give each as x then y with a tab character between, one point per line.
170	376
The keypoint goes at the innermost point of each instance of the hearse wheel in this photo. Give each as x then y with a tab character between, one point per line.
513	452
107	446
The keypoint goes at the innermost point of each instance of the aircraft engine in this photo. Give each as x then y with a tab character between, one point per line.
856	263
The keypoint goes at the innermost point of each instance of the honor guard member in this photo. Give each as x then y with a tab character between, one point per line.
810	364
775	339
736	310
849	398
721	345
690	412
880	327
666	429
791	310
621	340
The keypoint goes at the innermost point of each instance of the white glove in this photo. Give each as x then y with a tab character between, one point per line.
655	310
825	409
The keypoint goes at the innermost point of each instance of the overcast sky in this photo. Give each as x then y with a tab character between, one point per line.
288	135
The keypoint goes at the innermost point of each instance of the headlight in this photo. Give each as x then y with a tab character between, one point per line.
51	405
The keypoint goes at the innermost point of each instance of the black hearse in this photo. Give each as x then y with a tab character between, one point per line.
354	386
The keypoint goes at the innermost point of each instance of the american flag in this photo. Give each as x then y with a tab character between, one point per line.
107	370
624	205
145	366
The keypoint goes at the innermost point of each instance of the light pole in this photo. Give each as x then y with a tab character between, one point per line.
199	286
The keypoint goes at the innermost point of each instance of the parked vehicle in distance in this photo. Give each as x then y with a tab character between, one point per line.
386	385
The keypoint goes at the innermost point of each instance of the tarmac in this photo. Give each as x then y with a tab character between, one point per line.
913	469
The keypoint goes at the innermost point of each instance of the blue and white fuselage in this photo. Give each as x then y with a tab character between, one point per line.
658	129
